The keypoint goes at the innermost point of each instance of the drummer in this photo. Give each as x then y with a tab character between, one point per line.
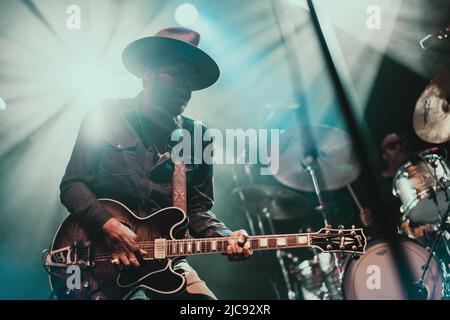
395	152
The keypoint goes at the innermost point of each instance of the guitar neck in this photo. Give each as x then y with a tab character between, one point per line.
190	247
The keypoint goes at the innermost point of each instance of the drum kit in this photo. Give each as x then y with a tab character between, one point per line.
317	158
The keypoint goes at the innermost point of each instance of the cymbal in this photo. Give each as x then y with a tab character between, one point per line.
329	152
432	113
280	202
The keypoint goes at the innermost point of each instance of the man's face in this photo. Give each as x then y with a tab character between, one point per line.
166	93
394	149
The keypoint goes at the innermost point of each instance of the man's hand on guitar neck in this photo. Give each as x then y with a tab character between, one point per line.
238	246
124	243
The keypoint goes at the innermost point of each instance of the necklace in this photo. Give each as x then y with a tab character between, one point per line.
148	139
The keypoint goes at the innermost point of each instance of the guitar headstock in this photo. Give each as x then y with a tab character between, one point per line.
339	240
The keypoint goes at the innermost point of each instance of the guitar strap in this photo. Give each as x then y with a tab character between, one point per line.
179	181
179	186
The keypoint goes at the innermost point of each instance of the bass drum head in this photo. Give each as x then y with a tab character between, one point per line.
374	277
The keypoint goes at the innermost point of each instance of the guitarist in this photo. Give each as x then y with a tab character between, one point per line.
122	152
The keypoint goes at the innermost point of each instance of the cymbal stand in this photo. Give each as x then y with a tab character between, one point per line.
291	293
321	207
418	287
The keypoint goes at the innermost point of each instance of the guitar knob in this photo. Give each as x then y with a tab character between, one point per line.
354	248
86	284
329	247
342	248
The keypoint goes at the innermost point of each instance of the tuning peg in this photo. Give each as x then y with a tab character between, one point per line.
340	226
329	226
341	229
354	248
329	247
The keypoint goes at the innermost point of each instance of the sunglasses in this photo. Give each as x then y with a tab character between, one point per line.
392	145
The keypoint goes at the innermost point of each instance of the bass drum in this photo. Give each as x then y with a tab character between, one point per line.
374	277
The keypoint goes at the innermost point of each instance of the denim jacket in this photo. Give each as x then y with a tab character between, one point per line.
110	160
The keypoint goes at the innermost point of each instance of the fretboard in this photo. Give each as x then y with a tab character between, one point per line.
188	247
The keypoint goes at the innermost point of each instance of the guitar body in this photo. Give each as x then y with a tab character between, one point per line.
104	280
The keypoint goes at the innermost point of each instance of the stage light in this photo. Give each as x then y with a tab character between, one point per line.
89	82
186	14
2	104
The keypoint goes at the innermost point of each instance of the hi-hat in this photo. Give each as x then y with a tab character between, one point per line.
432	113
279	202
328	151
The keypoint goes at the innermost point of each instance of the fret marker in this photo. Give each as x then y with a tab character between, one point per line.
281	241
198	245
263	242
302	240
181	247
174	248
189	247
213	245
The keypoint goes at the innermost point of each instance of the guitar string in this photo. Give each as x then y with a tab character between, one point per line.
177	245
187	252
151	247
194	242
169	249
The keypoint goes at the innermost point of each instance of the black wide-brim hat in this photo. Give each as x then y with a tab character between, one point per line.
172	46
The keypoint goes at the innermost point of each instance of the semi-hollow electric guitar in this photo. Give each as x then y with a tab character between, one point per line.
162	236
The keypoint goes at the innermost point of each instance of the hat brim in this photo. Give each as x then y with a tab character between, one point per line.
154	52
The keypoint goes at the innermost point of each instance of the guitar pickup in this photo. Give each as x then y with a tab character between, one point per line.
160	249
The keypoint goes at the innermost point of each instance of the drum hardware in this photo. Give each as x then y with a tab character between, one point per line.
321	205
422	186
439	236
319	277
307	164
290	292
